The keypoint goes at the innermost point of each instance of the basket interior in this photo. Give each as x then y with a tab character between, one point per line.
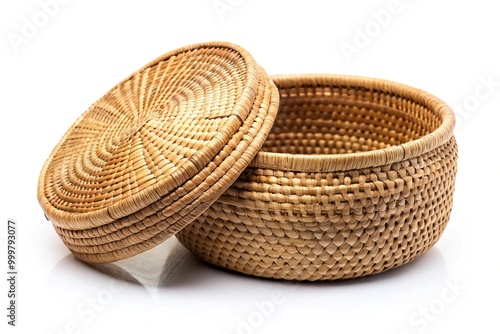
337	120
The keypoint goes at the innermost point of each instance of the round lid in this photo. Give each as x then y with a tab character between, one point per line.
157	150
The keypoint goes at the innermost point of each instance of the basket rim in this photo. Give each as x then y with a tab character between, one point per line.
314	163
130	205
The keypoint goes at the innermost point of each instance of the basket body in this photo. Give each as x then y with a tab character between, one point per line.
356	177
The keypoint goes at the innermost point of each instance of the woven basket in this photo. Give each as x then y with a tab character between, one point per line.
356	177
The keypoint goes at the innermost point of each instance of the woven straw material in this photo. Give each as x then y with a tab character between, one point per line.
156	150
356	177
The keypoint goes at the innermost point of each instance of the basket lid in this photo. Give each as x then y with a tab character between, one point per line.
157	150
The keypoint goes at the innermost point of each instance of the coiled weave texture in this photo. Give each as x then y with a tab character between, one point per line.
155	151
356	177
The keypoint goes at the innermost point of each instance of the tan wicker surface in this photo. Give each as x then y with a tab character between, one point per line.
355	178
155	151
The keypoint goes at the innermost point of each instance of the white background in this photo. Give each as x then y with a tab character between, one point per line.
449	48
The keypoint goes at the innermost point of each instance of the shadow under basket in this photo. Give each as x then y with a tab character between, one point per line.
356	177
